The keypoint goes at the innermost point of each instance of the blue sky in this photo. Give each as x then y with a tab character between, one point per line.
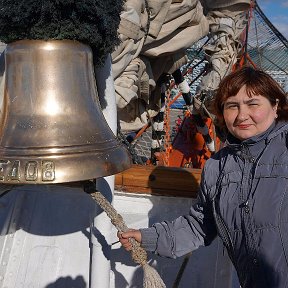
277	12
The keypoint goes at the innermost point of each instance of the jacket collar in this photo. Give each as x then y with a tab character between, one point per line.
255	143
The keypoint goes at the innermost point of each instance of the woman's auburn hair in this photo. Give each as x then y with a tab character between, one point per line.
257	82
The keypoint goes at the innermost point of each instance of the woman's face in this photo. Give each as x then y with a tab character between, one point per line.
248	116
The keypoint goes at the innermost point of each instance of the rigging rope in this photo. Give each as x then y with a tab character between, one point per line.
167	120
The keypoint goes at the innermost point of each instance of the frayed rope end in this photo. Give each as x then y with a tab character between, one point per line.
151	278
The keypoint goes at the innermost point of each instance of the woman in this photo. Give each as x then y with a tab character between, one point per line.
243	194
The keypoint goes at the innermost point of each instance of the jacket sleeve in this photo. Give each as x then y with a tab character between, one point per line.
184	234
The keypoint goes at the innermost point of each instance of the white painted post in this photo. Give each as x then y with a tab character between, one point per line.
100	266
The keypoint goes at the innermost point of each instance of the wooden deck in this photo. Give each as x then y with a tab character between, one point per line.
159	180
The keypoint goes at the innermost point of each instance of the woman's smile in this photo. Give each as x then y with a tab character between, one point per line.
244	126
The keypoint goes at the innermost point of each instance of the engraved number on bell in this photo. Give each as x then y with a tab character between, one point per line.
31	172
12	170
14	173
3	164
48	171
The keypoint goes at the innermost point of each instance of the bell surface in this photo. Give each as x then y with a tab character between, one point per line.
52	126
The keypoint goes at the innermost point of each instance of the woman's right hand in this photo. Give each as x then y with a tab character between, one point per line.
124	238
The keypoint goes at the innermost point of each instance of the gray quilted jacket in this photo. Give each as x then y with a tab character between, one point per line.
243	198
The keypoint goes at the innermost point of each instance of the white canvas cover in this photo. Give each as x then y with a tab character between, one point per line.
154	37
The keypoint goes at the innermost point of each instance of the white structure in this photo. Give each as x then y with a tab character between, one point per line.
46	241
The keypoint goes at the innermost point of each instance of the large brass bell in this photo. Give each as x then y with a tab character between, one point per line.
52	126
